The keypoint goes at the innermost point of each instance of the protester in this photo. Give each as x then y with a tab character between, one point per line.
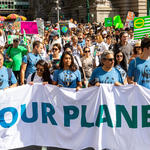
7	77
124	46
55	39
67	75
106	73
2	38
108	44
77	60
81	40
29	61
88	64
139	68
42	74
121	65
77	50
137	51
55	57
88	43
15	54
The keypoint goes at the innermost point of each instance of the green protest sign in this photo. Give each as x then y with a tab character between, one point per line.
117	22
11	37
108	22
141	27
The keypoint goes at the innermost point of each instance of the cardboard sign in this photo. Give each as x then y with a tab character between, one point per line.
64	28
40	24
30	27
130	20
11	37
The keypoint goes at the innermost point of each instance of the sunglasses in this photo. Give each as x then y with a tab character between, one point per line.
86	51
55	49
137	46
119	56
80	38
16	41
40	70
109	59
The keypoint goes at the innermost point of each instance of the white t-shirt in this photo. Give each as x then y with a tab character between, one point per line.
36	79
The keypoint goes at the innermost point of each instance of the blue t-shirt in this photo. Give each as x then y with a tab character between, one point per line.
101	76
122	72
31	60
67	78
82	44
140	70
4	78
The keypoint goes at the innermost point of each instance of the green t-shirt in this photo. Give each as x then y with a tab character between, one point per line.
16	55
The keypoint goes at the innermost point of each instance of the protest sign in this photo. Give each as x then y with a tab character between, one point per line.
11	37
64	28
30	27
40	24
130	20
117	22
141	27
105	117
108	22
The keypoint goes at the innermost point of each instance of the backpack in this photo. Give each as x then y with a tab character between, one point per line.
32	76
9	71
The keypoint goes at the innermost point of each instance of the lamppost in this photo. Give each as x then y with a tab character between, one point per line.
57	8
88	10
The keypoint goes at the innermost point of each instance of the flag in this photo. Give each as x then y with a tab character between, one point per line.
117	22
25	38
141	27
108	22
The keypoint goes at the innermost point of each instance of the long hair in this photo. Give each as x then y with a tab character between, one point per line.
46	74
72	66
123	63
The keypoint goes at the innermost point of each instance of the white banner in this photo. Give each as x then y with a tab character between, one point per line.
110	117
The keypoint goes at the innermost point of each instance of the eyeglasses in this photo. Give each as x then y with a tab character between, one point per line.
138	47
119	56
16	41
86	51
109	59
40	70
80	38
55	49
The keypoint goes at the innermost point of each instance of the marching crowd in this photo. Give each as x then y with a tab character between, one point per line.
87	55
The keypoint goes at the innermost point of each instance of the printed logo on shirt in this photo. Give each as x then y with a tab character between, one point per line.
146	74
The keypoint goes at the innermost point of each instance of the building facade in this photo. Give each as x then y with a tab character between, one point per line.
80	10
20	7
100	9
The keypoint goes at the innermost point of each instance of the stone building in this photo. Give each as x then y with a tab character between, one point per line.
99	9
76	9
